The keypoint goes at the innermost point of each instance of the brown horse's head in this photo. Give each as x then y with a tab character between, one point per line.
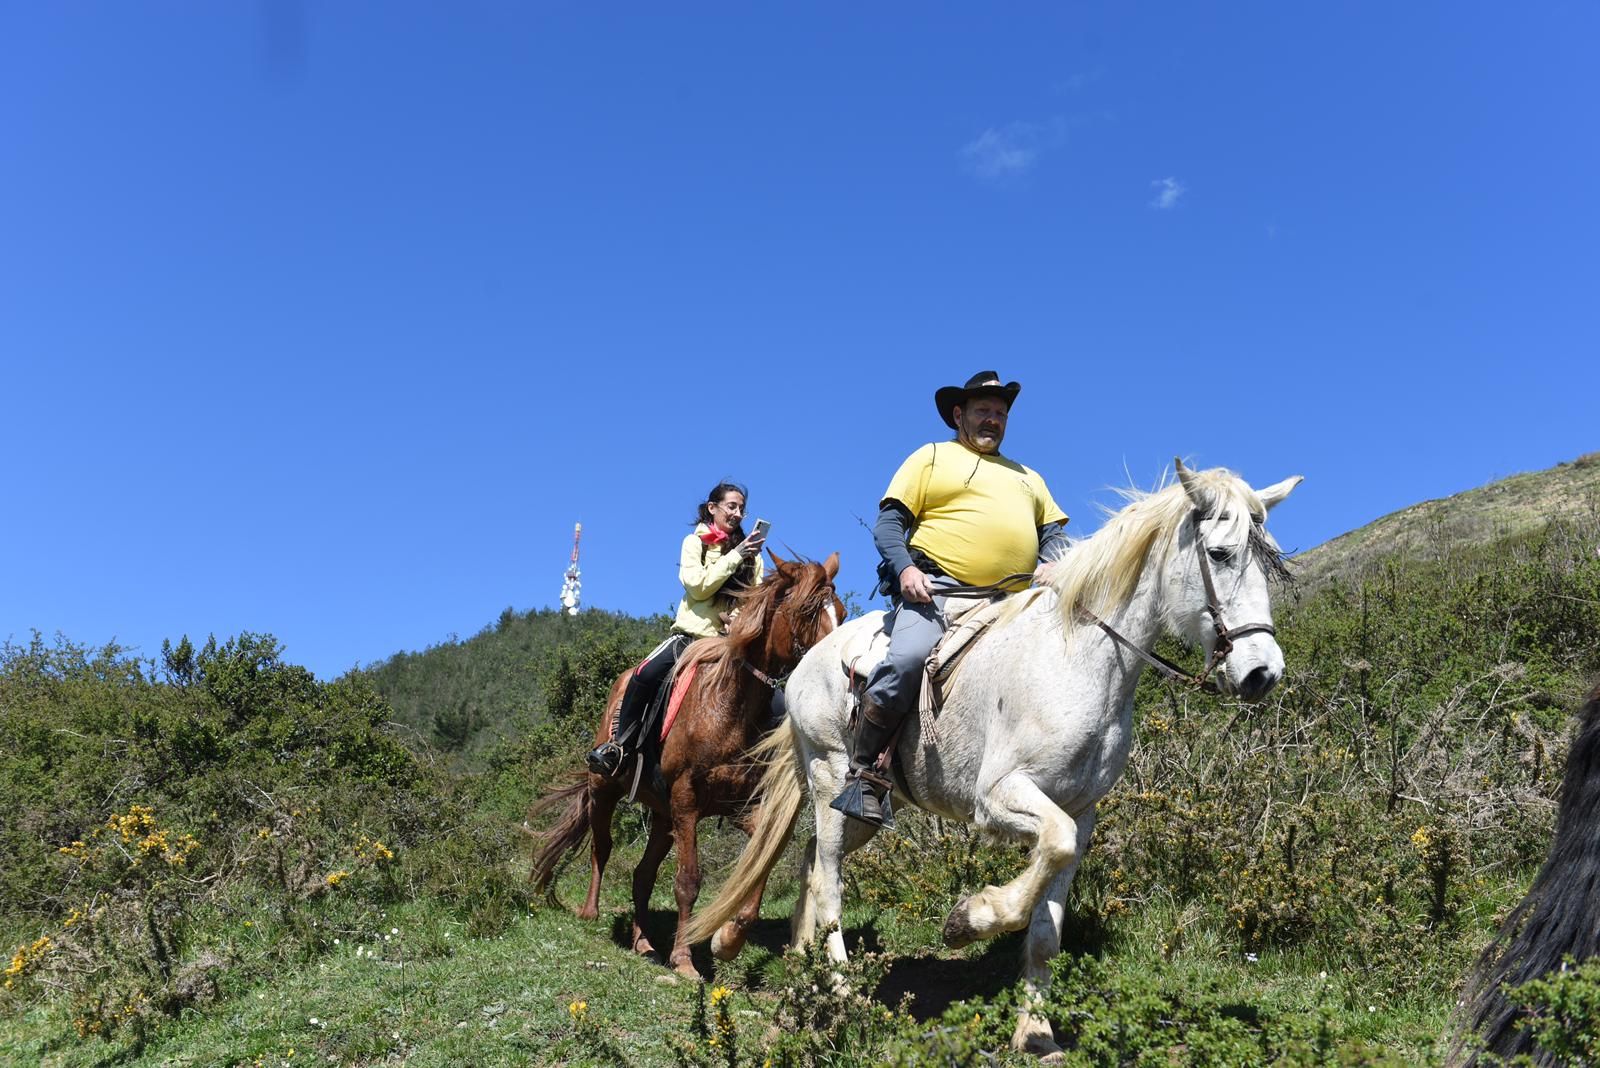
794	609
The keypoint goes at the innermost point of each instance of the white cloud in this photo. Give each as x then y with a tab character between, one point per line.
1075	82
1003	153
1168	190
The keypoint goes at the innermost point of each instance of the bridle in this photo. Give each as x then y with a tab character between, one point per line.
1225	634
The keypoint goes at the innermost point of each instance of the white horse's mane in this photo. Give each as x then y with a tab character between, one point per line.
1101	572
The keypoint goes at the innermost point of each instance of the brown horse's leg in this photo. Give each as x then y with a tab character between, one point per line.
686	885
602	803
644	879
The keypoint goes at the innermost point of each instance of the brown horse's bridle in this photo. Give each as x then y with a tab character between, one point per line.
1225	634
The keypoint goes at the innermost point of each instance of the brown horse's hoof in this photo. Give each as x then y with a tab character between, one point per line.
587	913
686	969
958	929
642	946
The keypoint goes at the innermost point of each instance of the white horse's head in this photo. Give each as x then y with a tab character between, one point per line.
1167	544
1216	581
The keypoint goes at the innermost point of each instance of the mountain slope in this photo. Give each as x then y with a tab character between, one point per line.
1518	505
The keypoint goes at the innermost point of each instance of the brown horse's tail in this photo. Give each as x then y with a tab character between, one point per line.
573	799
781	790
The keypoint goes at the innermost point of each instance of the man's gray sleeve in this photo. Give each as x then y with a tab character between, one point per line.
1053	542
892	535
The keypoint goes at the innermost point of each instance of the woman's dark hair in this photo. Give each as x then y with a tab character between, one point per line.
745	577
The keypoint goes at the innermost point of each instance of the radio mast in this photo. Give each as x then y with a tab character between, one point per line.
572	588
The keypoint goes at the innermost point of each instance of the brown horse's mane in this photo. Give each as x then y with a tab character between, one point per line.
717	661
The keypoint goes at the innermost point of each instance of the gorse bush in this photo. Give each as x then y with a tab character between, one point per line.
1563	1013
1402	773
161	810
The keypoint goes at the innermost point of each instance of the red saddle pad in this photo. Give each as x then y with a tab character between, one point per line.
680	686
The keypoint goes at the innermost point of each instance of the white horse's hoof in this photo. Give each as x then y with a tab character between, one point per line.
1034	1036
972	920
958	929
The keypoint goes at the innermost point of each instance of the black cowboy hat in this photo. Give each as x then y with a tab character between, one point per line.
982	384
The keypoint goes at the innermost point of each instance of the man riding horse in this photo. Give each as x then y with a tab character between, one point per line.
957	513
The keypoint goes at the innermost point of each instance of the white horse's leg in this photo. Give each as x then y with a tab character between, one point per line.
1015	809
1033	1033
837	836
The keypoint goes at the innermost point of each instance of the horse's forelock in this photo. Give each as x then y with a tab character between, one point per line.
812	597
758	607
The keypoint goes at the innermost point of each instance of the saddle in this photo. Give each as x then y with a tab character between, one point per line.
653	727
967	619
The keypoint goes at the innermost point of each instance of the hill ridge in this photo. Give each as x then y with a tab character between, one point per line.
1515	505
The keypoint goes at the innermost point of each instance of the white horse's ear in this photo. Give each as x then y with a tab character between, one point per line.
1191	484
1273	494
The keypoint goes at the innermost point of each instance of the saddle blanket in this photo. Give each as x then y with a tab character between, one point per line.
680	687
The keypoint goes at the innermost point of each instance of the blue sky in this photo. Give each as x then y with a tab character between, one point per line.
330	320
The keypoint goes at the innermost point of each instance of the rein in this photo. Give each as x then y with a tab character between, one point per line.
761	676
1003	586
1225	634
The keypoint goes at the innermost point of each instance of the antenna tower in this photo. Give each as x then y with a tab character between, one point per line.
572	588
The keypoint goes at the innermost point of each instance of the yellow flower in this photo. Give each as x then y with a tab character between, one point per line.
578	1009
1421	838
335	878
27	957
718	993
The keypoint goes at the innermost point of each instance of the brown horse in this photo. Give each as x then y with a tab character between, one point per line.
725	710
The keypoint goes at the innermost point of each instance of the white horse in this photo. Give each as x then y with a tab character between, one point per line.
1038	727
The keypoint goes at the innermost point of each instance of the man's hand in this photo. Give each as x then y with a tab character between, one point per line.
1042	573
915	587
751	546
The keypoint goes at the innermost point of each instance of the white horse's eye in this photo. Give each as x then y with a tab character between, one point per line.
1221	556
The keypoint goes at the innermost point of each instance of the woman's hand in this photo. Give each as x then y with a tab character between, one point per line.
751	546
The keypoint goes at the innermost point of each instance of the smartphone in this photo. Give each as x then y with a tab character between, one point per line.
762	526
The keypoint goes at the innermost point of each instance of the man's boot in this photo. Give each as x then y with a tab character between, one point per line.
865	794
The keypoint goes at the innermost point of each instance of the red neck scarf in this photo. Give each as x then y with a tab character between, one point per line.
715	535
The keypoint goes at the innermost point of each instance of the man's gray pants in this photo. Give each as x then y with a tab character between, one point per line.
914	629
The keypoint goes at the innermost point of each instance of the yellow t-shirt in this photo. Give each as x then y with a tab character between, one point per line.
977	516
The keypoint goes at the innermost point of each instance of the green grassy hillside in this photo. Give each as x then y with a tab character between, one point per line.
465	696
214	859
1512	506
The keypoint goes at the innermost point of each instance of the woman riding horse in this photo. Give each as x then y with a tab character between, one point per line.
717	561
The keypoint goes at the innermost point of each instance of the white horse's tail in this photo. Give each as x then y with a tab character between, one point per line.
781	791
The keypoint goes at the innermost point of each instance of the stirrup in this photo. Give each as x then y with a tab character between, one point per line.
858	802
605	759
